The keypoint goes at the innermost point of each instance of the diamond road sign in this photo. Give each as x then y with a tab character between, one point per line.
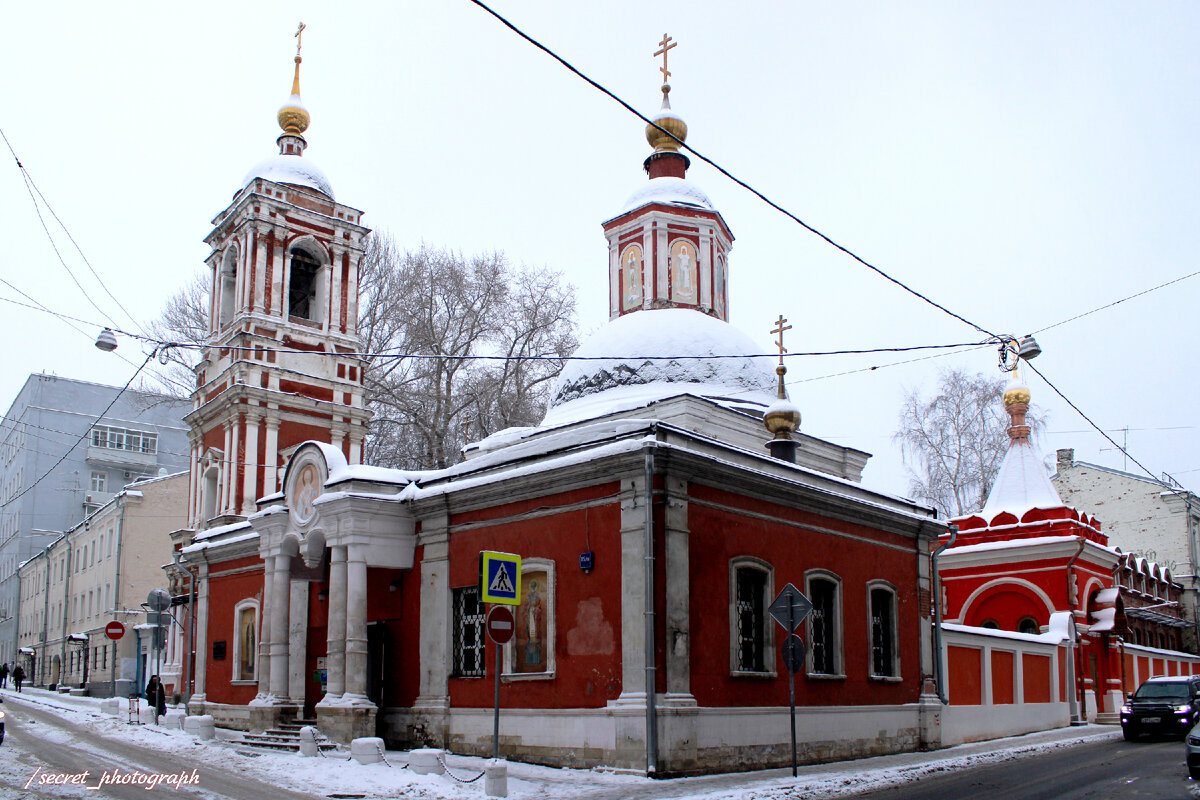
790	608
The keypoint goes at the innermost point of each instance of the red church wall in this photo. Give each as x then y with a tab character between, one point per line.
1007	605
394	608
225	591
1003	678
587	606
719	533
965	668
1035	678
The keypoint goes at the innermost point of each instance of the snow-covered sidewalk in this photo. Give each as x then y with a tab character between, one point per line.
338	775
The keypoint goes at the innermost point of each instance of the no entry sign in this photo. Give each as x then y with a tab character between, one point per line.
114	630
500	624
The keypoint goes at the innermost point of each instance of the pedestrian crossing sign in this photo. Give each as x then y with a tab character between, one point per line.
500	578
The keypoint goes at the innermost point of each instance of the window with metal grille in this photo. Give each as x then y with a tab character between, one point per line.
822	626
883	633
468	633
749	604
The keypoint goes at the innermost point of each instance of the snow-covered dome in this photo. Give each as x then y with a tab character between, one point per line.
291	169
668	190
636	359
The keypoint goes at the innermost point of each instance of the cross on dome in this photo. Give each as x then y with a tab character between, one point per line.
665	45
779	328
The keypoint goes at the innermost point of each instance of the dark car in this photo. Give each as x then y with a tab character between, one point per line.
1	724
1168	705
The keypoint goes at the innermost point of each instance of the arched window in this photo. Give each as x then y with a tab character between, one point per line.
245	640
211	481
885	658
1028	625
990	624
302	285
750	584
227	288
824	624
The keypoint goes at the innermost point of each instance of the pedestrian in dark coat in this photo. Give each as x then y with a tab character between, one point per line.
18	675
156	695
3	675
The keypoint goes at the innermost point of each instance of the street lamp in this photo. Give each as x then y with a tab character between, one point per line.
106	341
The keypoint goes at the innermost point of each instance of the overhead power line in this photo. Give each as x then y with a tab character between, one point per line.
726	172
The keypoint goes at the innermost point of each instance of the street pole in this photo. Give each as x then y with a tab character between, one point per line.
792	688
496	711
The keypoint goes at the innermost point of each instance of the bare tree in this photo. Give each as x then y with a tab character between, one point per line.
462	347
459	347
954	442
184	320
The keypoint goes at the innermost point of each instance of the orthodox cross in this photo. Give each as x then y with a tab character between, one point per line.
779	328
299	31
665	45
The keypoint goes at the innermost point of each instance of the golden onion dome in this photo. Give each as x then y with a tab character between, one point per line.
669	121
1016	393
781	417
293	116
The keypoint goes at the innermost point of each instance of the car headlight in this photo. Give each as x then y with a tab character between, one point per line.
1126	710
1182	709
1	716
1194	741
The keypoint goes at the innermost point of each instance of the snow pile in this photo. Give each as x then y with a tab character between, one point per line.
644	350
1021	484
291	169
675	191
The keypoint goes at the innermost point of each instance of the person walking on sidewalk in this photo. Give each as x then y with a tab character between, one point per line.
157	696
18	675
3	675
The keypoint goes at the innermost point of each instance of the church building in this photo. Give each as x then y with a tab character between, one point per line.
654	525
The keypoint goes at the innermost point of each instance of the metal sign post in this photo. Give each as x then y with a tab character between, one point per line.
500	626
789	609
159	600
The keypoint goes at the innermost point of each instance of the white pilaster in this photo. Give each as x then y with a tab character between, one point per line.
356	625
280	595
250	479
335	659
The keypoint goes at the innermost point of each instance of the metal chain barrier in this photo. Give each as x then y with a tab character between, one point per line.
455	777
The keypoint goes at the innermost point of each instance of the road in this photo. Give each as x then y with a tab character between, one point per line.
40	743
1103	770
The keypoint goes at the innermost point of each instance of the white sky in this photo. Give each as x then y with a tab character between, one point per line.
1019	162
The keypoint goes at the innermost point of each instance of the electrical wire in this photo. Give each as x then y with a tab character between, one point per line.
82	436
1118	302
726	172
32	187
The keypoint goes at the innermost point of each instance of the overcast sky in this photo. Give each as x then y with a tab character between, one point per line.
1018	162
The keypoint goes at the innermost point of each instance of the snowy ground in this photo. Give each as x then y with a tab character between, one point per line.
338	775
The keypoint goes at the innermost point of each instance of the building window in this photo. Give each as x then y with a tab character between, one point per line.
990	624
468	633
1028	625
884	656
245	642
532	648
99	481
824	625
110	438
750	580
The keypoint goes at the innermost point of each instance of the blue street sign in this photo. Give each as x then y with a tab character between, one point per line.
500	578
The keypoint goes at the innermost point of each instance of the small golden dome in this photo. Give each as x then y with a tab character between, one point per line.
1016	394
293	117
669	121
782	419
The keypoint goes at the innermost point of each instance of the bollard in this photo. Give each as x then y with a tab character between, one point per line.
367	750
146	715
172	719
308	741
111	706
495	777
201	727
426	761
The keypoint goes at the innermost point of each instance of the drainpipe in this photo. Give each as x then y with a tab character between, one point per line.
62	657
938	676
1073	676
651	705
41	668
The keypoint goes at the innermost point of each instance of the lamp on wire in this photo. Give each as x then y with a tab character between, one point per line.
106	341
1012	351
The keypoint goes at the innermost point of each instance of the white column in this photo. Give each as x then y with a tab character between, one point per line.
224	500
335	660
250	479
297	639
356	440
356	625
271	457
263	659
235	427
279	627
337	434
201	634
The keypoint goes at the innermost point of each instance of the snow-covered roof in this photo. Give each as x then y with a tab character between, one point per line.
676	191
652	354
1022	483
291	169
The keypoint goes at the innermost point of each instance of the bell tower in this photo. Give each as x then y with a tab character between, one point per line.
669	247
282	365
